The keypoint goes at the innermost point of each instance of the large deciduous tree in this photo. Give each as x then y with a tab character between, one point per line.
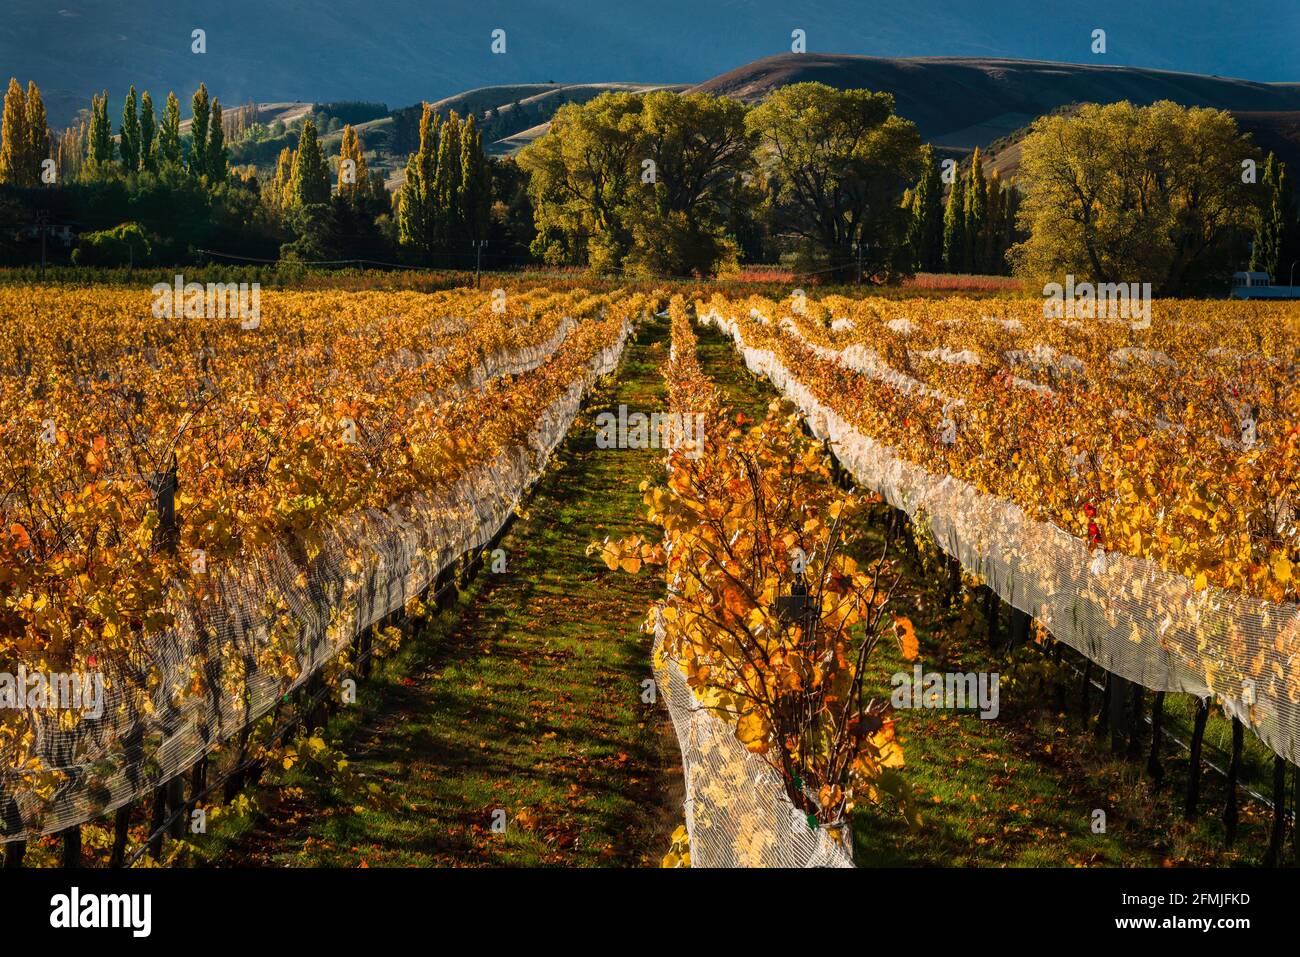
838	161
1121	193
702	153
581	174
642	182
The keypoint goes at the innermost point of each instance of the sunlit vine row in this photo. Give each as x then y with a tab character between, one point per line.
332	406
1086	455
768	615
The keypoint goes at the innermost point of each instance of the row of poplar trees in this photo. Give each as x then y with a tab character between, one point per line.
145	144
1275	243
445	203
24	136
970	231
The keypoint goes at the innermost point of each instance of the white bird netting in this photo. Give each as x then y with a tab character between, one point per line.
1127	614
312	609
737	811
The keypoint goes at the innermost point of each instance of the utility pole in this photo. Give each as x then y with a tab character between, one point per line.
42	223
478	259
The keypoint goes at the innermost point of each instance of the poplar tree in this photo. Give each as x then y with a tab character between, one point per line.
415	201
350	149
169	133
446	183
147	131
71	153
38	132
129	141
14	141
309	183
1010	202
990	254
283	177
475	201
216	148
1288	229
954	227
975	213
101	136
199	131
925	231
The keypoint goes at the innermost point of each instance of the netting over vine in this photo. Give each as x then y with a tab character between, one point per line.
308	608
1125	613
737	811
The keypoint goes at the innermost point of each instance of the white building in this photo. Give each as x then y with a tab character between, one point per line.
1258	285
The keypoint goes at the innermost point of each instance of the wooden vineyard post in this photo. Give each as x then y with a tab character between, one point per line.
14	852
72	846
445	587
364	651
1135	723
1194	759
1274	856
167	534
1103	716
157	821
176	806
1154	767
953	595
198	781
1234	771
1085	691
992	609
1059	681
235	781
121	830
1116	704
1020	622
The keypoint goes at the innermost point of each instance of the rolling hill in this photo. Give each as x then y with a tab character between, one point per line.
959	103
962	103
399	51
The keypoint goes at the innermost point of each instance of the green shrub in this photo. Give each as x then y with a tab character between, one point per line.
123	245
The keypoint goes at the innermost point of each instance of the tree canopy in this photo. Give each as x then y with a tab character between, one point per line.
837	162
1121	193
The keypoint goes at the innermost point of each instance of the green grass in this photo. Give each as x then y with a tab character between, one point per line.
526	697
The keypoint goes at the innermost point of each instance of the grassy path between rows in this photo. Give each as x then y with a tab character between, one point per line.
1020	790
523	698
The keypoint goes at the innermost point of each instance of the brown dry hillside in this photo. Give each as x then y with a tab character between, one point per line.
964	102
